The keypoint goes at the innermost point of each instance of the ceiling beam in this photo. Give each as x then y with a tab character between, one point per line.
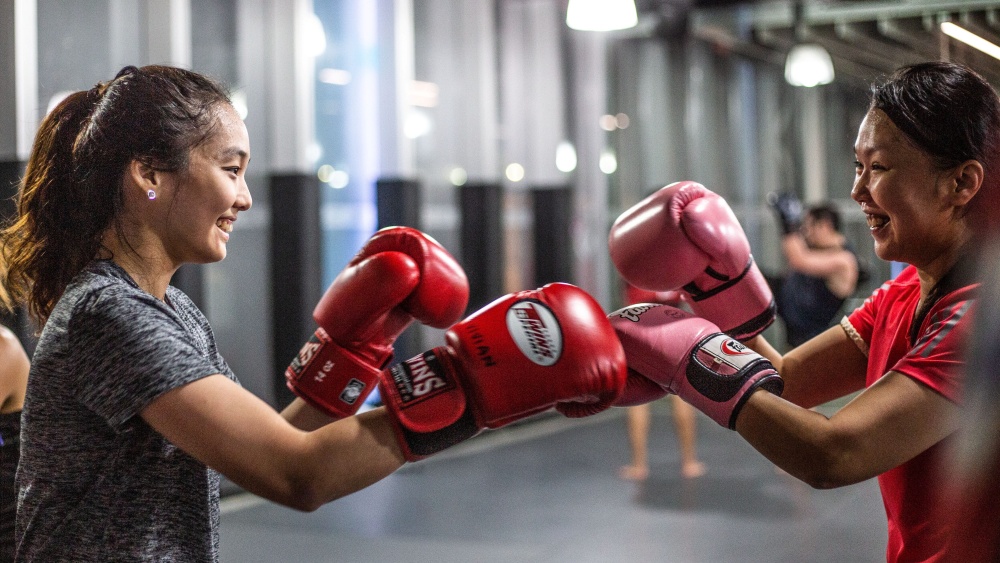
918	34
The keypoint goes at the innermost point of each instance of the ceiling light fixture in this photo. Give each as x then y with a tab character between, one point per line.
970	39
808	64
601	15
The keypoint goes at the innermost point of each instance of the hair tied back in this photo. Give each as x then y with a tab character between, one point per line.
126	71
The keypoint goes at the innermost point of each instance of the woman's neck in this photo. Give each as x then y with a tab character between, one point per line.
147	268
149	279
931	274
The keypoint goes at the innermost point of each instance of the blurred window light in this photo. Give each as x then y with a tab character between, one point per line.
239	100
622	120
608	122
314	152
324	173
808	64
970	39
335	76
601	15
315	36
424	94
565	157
56	99
417	125
514	172
608	162
458	176
339	179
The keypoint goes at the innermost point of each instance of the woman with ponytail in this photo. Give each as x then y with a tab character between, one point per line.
131	413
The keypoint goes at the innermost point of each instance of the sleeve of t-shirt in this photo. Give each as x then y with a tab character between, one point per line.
860	324
938	358
131	349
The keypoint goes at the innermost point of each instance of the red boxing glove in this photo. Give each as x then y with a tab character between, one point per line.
400	275
671	351
520	355
686	237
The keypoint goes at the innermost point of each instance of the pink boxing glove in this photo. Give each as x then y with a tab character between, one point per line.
525	353
671	351
635	295
686	237
401	274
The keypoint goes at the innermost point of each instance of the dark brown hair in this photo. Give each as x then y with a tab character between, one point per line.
953	114
72	190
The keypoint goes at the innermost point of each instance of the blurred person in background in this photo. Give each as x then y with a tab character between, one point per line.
14	365
823	269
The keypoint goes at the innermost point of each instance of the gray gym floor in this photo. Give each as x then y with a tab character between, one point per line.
547	491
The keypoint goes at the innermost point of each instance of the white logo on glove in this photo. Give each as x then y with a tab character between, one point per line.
734	348
632	312
535	330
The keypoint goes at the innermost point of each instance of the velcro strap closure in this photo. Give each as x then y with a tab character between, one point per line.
723	373
699	294
424	392
766	379
720	365
427	404
330	377
419	445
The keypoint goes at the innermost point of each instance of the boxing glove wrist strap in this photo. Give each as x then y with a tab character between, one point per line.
330	377
697	294
427	404
722	375
744	295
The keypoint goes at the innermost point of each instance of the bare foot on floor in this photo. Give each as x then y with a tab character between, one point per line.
693	469
633	472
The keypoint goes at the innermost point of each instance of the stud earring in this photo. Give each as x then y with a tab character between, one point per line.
151	194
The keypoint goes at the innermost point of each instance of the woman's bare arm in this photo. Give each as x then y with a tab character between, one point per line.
233	431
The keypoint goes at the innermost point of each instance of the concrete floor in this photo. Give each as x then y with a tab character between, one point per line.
547	491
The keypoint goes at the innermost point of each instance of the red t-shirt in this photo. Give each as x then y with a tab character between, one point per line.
881	326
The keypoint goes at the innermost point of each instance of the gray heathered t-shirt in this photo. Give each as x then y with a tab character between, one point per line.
96	483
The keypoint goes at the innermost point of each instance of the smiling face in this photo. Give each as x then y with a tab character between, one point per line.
202	202
907	200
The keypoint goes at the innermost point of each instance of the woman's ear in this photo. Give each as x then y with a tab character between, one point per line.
144	176
968	178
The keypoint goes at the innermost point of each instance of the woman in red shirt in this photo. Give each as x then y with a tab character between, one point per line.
925	177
